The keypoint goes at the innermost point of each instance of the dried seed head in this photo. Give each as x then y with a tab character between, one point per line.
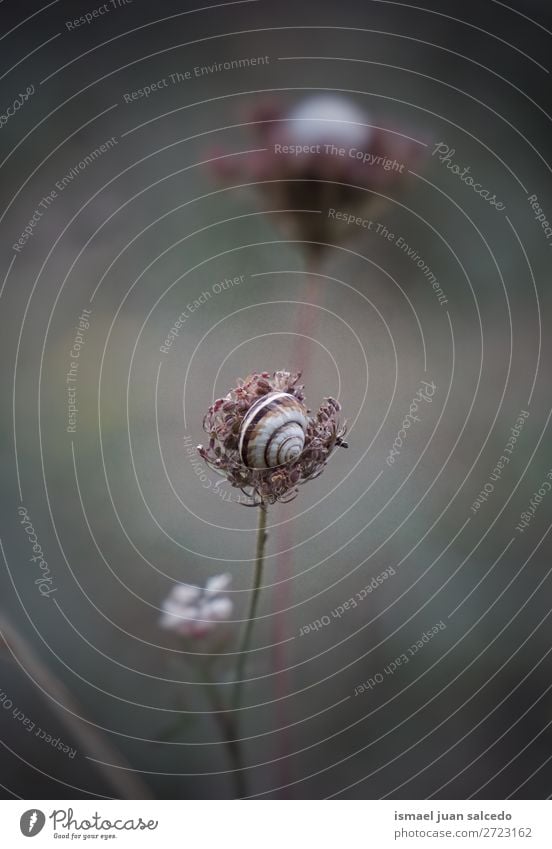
279	427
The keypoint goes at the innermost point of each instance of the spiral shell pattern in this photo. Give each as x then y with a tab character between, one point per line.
273	431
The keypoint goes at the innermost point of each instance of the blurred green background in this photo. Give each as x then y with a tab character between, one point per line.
150	226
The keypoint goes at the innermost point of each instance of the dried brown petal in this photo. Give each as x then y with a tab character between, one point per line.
266	486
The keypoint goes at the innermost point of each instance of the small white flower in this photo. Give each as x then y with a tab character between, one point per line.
192	611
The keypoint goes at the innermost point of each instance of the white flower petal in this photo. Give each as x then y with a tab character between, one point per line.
220	609
218	583
185	593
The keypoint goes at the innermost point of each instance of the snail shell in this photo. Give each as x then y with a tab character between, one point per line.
273	431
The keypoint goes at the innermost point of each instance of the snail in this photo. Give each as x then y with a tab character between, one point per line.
273	431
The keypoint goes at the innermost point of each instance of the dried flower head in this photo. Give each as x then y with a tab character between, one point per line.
263	439
322	153
193	611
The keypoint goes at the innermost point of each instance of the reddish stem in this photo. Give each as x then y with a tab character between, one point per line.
306	322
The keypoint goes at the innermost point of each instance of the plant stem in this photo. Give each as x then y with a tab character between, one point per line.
109	763
228	718
246	638
307	320
228	725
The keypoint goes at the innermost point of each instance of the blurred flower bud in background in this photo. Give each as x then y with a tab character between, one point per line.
322	153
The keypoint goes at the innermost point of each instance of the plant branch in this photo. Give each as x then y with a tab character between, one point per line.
105	758
246	638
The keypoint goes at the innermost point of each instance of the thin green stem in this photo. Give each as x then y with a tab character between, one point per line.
228	718
246	638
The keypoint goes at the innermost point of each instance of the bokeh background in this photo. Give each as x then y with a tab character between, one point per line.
118	506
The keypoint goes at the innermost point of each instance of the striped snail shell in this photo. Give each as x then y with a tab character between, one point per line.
273	431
